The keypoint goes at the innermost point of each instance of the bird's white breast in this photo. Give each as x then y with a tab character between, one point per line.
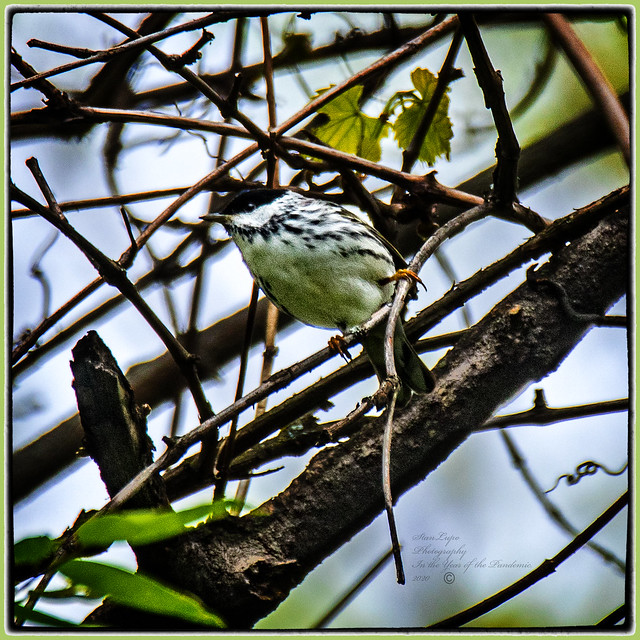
310	278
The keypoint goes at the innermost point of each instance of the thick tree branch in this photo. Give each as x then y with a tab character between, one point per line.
154	381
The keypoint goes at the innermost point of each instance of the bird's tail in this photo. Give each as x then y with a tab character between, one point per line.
413	373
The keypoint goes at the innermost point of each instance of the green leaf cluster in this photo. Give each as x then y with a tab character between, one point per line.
138	591
344	126
91	580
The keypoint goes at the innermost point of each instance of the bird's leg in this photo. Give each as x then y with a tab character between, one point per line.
337	345
403	274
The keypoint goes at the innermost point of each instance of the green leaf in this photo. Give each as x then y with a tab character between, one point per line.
350	130
143	526
42	618
437	141
31	551
138	591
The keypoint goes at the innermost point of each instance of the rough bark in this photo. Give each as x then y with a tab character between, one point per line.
244	567
115	427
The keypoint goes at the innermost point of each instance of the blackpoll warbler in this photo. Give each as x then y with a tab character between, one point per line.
322	265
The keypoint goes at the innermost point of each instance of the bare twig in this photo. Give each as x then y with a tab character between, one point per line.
173	64
226	455
54	94
540	572
386	477
401	53
445	76
450	228
168	268
76	52
595	81
198	23
112	273
557	234
107	201
39	275
505	177
272	164
268	359
543	414
142	239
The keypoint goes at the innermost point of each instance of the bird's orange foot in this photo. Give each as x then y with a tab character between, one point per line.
404	274
338	345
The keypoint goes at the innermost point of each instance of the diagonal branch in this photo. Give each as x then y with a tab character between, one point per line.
505	177
596	83
112	273
540	572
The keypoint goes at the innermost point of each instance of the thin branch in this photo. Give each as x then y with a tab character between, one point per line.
401	53
226	455
386	475
142	239
76	52
112	273
542	76
352	592
176	448
272	165
139	43
445	76
450	228
28	340
38	274
615	616
173	64
107	201
57	97
505	177
543	414
552	238
595	81
551	509
426	185
168	268
540	572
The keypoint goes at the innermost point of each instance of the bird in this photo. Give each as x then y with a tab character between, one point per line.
321	264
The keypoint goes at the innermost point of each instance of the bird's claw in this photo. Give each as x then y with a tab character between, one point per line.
338	345
404	274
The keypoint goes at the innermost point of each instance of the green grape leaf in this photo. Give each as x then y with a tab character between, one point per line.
143	526
350	130
437	142
138	591
31	551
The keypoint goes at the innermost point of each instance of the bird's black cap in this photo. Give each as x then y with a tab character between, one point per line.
250	199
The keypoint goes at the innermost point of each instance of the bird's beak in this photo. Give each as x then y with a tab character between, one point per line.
222	218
